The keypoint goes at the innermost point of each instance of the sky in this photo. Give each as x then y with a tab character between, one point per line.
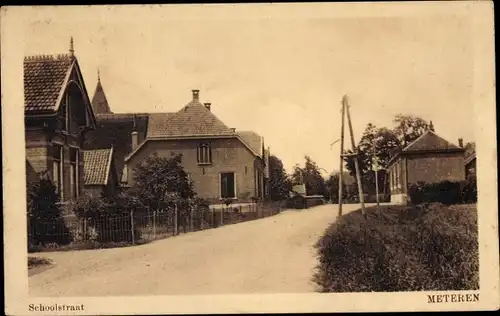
277	72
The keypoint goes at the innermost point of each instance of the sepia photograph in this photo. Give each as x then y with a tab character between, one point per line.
249	158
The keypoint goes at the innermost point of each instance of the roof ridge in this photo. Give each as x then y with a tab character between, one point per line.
46	57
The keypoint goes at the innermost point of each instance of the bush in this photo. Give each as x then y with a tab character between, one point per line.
446	192
107	220
425	248
45	222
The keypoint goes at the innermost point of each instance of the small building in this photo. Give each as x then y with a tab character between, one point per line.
470	166
100	174
58	114
429	159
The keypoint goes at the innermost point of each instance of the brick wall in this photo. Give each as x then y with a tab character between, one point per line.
436	168
228	155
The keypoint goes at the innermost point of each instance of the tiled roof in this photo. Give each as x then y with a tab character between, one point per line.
97	164
44	77
99	101
191	121
252	140
115	130
429	141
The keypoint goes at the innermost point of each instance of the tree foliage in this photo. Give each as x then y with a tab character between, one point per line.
280	185
379	145
46	224
158	178
409	127
311	177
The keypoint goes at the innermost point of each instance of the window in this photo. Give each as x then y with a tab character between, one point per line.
73	176
204	154
57	169
227	185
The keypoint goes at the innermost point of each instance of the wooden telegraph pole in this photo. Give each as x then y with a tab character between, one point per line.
356	163
341	182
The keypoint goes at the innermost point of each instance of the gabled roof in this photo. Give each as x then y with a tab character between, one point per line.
99	101
97	165
192	120
428	142
253	141
44	80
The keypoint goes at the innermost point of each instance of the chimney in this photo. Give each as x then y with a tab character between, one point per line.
135	140
461	142
196	95
233	129
207	105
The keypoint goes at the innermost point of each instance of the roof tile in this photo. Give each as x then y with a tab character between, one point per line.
43	79
96	164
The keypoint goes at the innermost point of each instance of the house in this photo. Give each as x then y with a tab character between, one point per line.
58	115
115	129
470	166
100	173
222	163
429	159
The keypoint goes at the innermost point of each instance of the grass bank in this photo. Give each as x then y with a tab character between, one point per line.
401	248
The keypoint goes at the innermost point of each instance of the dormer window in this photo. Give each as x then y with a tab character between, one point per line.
204	154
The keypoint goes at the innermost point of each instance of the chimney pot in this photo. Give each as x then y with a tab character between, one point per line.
461	142
196	95
233	129
208	105
135	140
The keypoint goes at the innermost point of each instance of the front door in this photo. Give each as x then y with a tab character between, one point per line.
228	186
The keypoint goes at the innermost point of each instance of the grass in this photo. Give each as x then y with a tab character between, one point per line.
401	248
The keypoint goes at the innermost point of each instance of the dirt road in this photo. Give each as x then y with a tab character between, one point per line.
269	255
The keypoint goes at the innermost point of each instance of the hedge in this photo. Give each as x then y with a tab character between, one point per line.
398	248
445	192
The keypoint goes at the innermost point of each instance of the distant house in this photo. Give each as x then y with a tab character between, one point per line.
429	159
58	115
222	163
470	166
100	174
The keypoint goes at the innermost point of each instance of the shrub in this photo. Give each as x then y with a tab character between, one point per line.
426	248
107	220
45	222
446	192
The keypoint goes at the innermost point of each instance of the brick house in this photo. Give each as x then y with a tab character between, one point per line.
222	163
58	114
101	178
430	159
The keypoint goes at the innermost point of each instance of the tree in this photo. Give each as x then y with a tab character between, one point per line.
279	183
333	188
375	144
45	221
311	177
409	127
157	179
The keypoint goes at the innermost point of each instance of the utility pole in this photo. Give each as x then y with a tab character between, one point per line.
356	163
375	167
341	182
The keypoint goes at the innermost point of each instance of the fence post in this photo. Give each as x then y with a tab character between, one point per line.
154	224
175	220
85	228
132	225
191	228
222	216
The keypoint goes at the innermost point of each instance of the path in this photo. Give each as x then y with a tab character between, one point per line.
269	255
